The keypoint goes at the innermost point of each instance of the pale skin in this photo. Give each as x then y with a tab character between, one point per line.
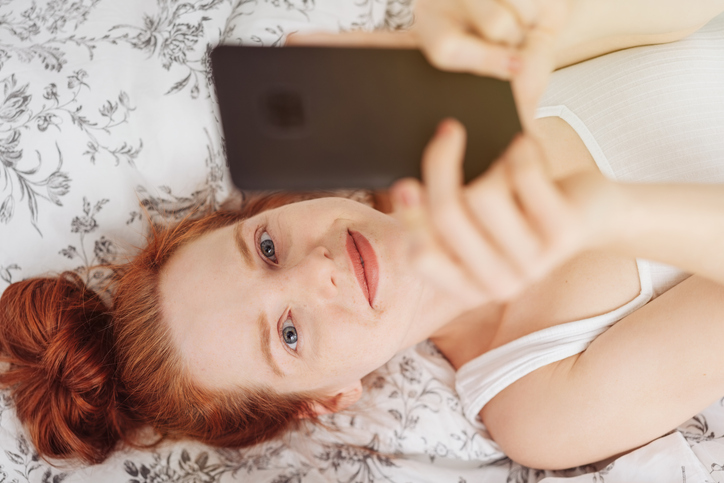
212	301
563	249
598	404
214	297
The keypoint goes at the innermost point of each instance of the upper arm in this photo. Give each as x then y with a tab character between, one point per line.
596	28
648	373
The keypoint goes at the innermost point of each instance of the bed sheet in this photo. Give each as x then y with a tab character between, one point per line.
107	104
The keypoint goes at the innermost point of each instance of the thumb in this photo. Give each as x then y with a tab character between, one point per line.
407	197
538	59
531	80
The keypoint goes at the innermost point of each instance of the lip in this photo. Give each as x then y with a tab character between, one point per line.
367	271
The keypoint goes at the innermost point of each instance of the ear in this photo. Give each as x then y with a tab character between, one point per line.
339	401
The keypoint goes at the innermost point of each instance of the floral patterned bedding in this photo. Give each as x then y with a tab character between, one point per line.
105	104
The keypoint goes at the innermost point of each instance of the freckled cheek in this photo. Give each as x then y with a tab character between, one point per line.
348	342
350	348
375	346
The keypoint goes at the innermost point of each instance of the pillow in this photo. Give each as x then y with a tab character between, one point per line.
106	104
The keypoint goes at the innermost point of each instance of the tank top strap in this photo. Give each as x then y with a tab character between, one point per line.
482	378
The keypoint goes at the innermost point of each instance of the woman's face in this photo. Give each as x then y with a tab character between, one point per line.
281	300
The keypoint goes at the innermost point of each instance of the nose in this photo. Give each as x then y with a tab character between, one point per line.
317	272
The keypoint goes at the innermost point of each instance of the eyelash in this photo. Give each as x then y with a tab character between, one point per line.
259	232
280	328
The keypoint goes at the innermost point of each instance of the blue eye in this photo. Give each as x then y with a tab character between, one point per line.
289	334
266	244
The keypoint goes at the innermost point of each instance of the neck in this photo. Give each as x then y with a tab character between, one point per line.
436	310
460	332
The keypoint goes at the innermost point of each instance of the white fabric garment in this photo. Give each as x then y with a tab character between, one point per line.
649	114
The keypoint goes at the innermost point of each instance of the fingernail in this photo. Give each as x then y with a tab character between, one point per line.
514	64
404	196
409	197
444	127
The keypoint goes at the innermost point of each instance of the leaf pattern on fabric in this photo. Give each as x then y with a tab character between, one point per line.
6	274
17	116
398	15
25	22
170	208
365	463
104	252
27	463
172	34
98	99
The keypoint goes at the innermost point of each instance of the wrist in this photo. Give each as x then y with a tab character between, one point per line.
627	219
604	209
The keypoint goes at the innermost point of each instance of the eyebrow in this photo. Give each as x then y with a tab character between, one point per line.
265	342
242	246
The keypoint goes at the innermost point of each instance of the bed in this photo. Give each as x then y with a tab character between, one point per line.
107	107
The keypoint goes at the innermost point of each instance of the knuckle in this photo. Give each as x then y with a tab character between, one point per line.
445	214
525	256
527	10
494	178
532	251
486	192
489	211
507	287
523	166
494	25
500	27
570	238
445	50
538	269
565	224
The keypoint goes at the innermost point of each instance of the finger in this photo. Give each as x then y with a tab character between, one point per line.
541	200
454	225
538	60
553	16
496	23
402	39
425	254
448	46
530	81
491	201
527	11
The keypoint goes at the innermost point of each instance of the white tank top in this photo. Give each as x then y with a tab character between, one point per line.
647	114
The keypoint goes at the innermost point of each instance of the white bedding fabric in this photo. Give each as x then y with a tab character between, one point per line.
105	103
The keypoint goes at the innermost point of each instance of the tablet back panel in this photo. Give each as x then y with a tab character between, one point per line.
301	118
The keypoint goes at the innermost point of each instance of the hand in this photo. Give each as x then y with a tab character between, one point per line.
508	39
506	229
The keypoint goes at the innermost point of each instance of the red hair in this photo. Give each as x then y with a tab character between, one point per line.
84	376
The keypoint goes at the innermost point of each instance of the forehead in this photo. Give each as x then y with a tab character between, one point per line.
208	305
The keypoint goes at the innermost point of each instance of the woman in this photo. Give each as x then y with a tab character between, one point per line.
230	328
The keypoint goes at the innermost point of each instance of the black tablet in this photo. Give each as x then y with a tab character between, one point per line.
305	118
